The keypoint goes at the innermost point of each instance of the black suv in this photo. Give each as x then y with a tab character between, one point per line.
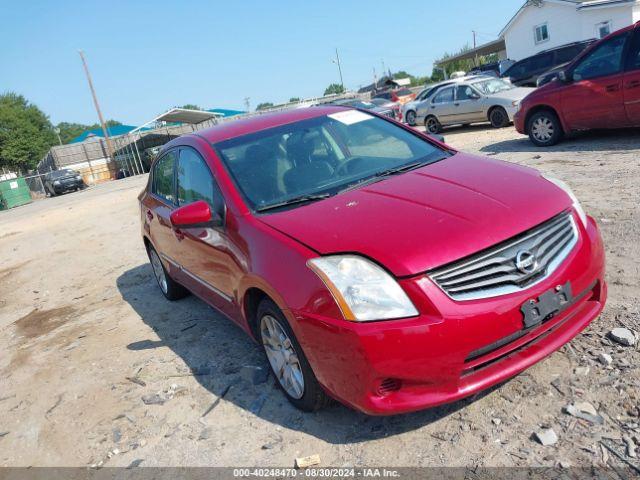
525	73
60	181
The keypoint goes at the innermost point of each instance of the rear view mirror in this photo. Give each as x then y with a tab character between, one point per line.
196	214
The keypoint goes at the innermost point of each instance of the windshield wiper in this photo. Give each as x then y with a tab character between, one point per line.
294	201
400	169
385	173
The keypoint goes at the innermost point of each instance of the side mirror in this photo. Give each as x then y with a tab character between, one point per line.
564	76
474	96
196	214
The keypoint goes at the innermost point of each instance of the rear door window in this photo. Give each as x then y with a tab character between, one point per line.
633	58
163	177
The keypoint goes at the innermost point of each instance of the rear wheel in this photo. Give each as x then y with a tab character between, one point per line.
498	117
544	128
287	360
432	124
410	117
171	289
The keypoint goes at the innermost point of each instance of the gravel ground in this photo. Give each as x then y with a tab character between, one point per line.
87	338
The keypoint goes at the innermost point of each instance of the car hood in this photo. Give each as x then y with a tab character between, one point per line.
428	217
517	93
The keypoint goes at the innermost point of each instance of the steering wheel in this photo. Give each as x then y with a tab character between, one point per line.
344	168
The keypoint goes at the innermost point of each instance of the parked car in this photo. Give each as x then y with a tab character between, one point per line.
400	95
599	89
409	109
357	103
372	264
525	72
395	106
492	69
550	75
62	181
480	99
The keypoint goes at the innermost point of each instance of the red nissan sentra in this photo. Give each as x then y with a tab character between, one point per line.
375	265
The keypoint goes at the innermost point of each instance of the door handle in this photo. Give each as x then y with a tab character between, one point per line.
612	88
633	84
149	215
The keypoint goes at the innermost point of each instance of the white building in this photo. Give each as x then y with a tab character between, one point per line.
544	24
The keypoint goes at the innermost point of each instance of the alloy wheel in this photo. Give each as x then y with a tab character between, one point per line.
411	117
282	356
542	129
158	270
432	125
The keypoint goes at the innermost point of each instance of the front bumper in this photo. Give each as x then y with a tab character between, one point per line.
518	121
399	366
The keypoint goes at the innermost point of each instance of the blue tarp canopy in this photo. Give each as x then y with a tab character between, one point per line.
113	131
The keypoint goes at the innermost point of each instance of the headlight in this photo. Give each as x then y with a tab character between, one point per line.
78	177
574	199
362	289
516	104
56	182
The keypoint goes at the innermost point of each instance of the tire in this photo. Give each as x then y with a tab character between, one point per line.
52	193
286	358
544	128
410	117
432	124
498	117
171	289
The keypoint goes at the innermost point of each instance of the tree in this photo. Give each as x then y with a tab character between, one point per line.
191	106
334	89
69	131
461	65
25	133
264	105
294	99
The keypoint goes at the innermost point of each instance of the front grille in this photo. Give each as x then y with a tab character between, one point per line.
511	266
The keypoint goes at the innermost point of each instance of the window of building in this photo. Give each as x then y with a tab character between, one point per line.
603	29
541	33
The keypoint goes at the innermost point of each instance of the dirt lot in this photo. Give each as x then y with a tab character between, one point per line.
80	312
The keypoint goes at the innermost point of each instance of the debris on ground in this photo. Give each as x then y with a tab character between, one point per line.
546	436
304	462
3	434
631	446
161	397
584	411
135	463
605	358
623	336
137	381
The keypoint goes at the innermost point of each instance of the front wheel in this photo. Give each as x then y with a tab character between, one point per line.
432	124
544	128
287	360
410	117
499	118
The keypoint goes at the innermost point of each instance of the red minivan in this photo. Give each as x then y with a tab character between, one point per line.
599	89
373	264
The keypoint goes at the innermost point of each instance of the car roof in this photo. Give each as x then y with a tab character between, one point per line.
237	128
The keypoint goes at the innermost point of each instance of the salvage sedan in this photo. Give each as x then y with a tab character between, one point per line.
373	264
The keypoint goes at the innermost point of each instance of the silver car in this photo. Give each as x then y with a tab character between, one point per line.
479	100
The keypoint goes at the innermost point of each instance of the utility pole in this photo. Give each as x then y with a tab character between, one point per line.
57	130
95	102
474	38
337	62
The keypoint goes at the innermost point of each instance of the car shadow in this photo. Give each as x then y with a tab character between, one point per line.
215	351
592	141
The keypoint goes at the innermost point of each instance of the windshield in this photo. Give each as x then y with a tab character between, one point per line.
494	85
62	173
320	156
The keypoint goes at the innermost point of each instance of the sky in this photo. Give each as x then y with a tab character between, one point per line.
148	56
